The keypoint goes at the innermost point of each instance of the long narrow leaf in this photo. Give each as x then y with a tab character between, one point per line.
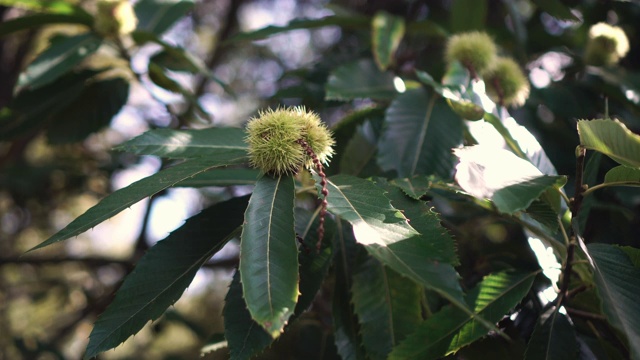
125	197
617	282
186	144
37	20
268	254
387	31
388	307
164	272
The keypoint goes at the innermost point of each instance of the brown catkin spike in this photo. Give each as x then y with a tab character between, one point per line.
324	191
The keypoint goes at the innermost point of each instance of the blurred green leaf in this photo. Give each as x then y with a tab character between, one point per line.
359	155
420	132
467	15
556	9
612	138
58	59
268	254
31	109
189	143
157	16
623	174
63	7
616	279
125	197
553	339
98	103
33	21
386	235
633	253
159	77
387	305
387	31
153	285
450	329
343	21
360	80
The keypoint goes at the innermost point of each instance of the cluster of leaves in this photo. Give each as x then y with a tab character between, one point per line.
387	261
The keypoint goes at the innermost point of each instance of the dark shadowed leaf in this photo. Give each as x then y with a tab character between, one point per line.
420	131
125	197
553	339
387	305
450	329
268	254
617	281
556	9
222	177
32	108
359	155
519	196
360	80
37	20
387	31
612	138
157	16
165	271
190	143
91	111
345	322
244	336
58	59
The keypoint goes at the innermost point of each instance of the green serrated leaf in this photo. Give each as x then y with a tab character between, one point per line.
93	110
58	59
414	187
157	16
360	80
343	21
612	138
153	286
384	232
190	143
359	155
387	305
553	339
33	21
420	132
434	244
468	15
244	336
345	322
222	177
268	254
519	196
387	31
616	279
450	329
125	197
556	9
623	175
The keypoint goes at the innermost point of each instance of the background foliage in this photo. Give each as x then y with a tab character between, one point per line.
427	253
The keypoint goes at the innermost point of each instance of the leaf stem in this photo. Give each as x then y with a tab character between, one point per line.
614	183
